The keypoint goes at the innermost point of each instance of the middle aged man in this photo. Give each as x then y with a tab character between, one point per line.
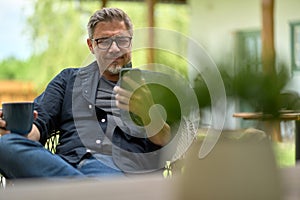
84	104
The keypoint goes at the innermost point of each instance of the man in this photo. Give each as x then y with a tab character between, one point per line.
84	104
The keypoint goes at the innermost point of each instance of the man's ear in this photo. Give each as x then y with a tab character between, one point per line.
90	45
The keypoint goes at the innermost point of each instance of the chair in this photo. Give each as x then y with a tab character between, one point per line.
52	142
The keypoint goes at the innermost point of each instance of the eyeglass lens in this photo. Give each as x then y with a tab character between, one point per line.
105	43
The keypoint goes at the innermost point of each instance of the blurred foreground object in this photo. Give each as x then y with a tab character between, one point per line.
236	168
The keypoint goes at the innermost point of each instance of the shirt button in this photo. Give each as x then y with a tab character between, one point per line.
98	141
85	91
103	120
90	106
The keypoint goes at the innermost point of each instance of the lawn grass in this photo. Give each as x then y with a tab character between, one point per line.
284	153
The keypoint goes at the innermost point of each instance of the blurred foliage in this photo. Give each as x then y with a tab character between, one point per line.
172	60
263	92
202	92
58	36
201	89
57	32
12	68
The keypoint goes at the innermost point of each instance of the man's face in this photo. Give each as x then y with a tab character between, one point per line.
112	59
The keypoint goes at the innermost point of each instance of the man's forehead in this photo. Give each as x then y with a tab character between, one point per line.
113	27
112	24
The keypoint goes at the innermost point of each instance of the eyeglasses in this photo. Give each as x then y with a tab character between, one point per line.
106	42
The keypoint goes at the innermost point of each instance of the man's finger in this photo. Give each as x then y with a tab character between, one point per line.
122	99
122	106
122	92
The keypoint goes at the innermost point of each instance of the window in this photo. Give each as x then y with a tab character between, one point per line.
247	56
295	46
248	50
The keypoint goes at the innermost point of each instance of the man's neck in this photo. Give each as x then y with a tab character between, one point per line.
111	77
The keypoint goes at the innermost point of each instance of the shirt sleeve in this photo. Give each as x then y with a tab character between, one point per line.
49	105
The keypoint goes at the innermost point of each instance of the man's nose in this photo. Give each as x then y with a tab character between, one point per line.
113	47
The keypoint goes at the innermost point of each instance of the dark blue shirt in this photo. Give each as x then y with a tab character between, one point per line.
74	89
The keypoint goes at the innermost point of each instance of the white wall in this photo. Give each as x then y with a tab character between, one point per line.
213	23
286	11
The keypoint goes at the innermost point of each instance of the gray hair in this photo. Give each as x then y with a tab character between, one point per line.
108	15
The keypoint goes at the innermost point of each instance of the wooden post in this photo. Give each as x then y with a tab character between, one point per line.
268	50
104	2
151	24
268	57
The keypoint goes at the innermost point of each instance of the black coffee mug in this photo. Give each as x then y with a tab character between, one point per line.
18	116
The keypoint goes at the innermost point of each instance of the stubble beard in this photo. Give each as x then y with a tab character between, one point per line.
114	69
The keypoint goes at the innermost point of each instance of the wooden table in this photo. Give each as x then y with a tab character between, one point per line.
283	116
271	124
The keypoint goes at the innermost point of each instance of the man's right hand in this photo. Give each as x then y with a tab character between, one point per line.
3	130
33	135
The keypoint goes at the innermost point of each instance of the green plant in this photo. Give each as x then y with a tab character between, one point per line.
262	91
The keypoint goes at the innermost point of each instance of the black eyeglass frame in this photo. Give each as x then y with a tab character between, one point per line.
113	39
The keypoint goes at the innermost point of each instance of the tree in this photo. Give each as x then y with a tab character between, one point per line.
58	33
58	36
